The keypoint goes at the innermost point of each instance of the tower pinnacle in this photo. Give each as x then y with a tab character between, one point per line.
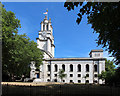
46	17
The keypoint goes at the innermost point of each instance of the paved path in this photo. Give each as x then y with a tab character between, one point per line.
30	83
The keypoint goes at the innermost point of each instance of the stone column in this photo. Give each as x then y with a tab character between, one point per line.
101	68
49	45
91	68
51	71
83	72
49	28
52	30
42	26
45	27
67	72
75	73
43	72
53	50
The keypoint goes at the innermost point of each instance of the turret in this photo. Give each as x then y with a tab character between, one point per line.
46	40
96	53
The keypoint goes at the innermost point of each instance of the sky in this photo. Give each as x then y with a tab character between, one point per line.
71	39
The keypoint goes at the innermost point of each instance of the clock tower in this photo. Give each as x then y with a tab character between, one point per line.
46	40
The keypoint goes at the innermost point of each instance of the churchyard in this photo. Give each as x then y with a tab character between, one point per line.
57	89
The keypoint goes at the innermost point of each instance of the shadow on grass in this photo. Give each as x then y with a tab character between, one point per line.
60	90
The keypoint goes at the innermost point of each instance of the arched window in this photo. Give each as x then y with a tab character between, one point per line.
71	67
87	68
48	67
87	81
43	27
55	80
95	68
79	81
71	81
47	27
95	75
79	68
48	80
63	67
56	69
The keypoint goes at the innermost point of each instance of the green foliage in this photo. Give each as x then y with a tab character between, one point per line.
109	72
61	74
17	50
105	20
117	75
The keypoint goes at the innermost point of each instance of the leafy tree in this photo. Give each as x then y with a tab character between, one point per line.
23	52
9	28
17	50
105	20
116	77
109	73
61	74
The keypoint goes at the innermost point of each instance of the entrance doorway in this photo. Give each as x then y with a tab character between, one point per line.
55	80
38	75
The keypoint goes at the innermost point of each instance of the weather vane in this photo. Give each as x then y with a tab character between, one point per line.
46	12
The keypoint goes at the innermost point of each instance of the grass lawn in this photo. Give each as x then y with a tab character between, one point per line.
59	90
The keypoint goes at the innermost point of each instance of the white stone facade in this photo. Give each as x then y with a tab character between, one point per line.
77	70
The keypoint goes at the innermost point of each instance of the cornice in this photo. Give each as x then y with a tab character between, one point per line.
73	59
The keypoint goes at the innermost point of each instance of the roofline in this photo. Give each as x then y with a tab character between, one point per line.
101	50
65	59
96	50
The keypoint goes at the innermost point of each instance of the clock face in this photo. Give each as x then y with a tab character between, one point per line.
44	34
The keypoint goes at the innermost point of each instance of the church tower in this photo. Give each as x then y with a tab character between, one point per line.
75	68
46	40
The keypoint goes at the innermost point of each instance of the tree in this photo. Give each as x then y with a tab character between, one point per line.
17	50
105	20
116	77
61	74
109	73
9	28
23	52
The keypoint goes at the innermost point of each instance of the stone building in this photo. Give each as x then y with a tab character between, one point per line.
78	70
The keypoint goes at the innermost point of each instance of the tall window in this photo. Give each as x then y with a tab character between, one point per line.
48	80
71	67
56	68
71	81
95	68
87	75
71	75
47	27
95	75
79	81
79	68
43	27
87	81
87	68
48	67
63	67
55	80
79	75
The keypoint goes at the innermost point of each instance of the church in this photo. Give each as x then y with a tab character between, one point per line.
77	70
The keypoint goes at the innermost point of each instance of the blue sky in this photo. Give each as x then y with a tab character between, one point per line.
71	39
